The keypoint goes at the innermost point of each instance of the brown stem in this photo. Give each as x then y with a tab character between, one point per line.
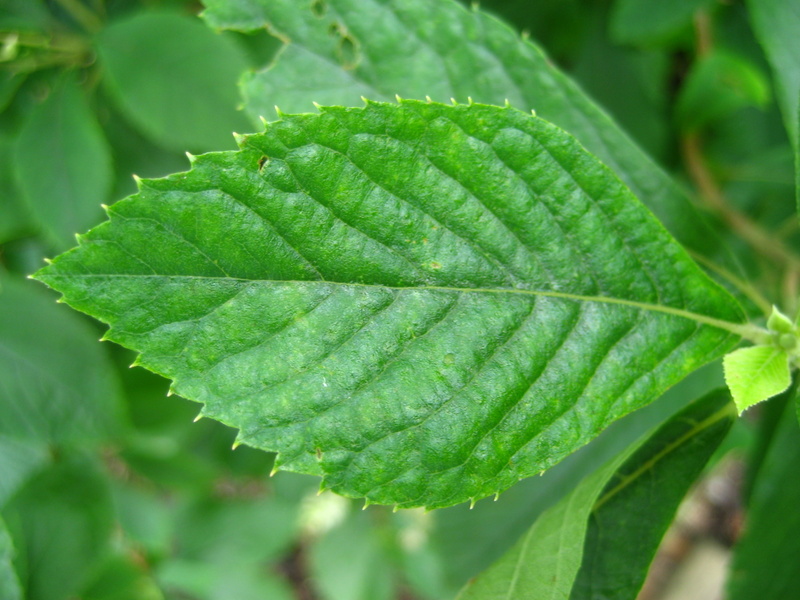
764	242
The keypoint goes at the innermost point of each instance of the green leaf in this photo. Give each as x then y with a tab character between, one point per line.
765	558
196	580
353	561
9	584
637	506
472	539
777	25
467	288
718	85
14	220
62	524
550	561
19	459
174	79
756	373
63	163
58	386
122	578
440	49
649	22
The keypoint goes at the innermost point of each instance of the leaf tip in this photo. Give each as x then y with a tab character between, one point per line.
198	417
497	495
240	139
192	157
470	101
428	98
453	100
236	444
317	105
472	502
263	120
366	504
279	112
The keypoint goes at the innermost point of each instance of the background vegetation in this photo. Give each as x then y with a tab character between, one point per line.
108	490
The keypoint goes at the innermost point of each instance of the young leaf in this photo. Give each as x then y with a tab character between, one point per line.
442	50
145	54
765	559
756	373
599	540
63	164
9	584
421	303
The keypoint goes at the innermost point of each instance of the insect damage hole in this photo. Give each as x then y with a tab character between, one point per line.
347	47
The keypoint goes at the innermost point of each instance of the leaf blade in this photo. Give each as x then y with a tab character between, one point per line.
454	52
391	268
549	561
756	373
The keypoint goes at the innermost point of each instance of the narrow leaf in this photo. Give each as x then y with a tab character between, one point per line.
9	584
550	561
639	503
756	373
146	54
765	559
777	25
440	49
464	287
63	164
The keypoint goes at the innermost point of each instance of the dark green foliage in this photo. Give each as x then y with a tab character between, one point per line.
420	301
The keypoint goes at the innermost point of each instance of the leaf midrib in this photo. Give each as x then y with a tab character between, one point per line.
743	330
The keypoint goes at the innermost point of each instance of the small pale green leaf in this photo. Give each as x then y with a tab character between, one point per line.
765	561
9	583
48	394
777	25
756	373
63	164
439	49
598	541
464	287
174	79
650	22
779	322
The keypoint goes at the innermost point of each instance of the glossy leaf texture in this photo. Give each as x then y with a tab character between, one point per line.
764	565
63	164
421	303
340	50
776	23
598	541
47	395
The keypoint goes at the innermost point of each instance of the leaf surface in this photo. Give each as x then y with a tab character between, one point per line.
47	393
421	303
344	50
638	504
9	584
63	164
649	22
764	564
144	57
598	541
756	373
777	25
